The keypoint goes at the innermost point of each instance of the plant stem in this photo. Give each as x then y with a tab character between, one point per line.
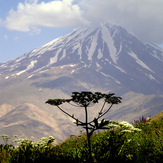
88	136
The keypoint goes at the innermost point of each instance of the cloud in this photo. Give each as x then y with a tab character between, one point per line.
141	17
1	22
31	15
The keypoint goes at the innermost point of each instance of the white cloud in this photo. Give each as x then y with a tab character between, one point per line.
142	17
31	15
1	22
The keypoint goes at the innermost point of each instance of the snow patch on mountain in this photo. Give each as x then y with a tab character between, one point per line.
47	47
71	65
120	69
110	43
55	58
154	53
100	55
140	62
152	78
106	75
32	64
21	58
7	77
93	46
64	54
30	76
98	66
120	49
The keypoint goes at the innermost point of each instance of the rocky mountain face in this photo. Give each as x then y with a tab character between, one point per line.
105	58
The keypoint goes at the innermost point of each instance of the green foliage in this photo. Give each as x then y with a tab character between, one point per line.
123	142
32	151
5	138
146	145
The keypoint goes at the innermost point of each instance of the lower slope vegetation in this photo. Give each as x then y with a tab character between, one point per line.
111	145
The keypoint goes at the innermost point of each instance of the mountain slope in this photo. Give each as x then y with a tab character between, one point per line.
110	50
105	58
29	121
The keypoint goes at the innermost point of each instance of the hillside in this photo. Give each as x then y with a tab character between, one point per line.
143	144
158	118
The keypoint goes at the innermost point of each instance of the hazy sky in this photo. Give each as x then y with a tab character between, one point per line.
27	24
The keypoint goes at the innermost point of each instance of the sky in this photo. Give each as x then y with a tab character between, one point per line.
28	24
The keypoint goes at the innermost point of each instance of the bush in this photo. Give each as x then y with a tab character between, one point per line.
120	143
145	146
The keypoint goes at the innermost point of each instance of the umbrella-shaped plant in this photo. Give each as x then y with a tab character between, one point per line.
85	100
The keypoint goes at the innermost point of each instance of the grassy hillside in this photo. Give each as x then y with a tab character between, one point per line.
117	144
158	118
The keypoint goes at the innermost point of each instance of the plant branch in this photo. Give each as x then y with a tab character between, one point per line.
101	114
102	109
69	115
105	112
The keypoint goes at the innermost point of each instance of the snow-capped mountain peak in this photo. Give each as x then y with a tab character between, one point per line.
108	49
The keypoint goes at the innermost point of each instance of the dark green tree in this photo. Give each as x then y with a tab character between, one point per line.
85	100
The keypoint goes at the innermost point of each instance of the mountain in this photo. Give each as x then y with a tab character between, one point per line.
105	58
29	121
109	51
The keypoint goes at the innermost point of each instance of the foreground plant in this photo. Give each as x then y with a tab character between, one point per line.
85	100
5	138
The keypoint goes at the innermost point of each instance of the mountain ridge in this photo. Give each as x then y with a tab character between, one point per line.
101	49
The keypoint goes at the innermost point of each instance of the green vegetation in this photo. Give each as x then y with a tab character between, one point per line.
122	142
